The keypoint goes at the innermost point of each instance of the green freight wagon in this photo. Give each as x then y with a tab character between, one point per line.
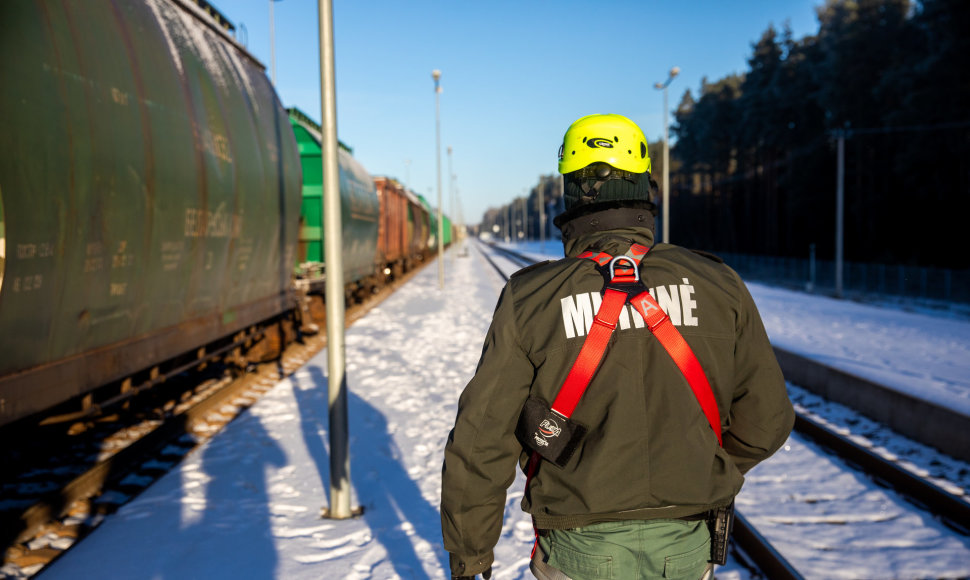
432	217
447	230
360	209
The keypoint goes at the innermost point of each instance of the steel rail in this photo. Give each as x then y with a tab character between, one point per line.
501	273
952	510
516	256
761	552
112	469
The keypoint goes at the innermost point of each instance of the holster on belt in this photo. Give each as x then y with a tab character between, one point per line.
720	522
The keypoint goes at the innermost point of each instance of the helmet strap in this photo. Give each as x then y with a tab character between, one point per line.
587	187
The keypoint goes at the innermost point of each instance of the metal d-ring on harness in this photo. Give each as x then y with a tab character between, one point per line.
539	425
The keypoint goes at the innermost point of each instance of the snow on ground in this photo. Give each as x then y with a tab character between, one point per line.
247	504
926	356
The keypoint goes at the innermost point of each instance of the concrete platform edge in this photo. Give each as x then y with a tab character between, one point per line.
923	421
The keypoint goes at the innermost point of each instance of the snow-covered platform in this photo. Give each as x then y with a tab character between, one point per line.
247	504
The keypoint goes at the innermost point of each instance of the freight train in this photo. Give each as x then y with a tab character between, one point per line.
387	229
158	205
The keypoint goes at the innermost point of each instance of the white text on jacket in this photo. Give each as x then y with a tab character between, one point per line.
677	300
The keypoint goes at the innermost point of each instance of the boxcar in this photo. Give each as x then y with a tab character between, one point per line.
392	238
404	229
419	224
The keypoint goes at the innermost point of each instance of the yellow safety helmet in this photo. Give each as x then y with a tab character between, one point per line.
611	139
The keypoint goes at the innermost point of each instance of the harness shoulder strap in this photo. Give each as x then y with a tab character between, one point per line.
624	281
678	349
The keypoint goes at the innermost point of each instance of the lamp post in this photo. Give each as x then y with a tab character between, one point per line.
542	217
336	355
508	222
272	41
525	213
436	75
666	182
839	210
451	196
451	185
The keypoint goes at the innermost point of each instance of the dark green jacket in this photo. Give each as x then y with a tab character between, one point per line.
650	452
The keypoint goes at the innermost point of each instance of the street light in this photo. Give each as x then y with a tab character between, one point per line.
666	182
436	75
272	41
840	134
451	196
542	217
451	185
340	487
508	222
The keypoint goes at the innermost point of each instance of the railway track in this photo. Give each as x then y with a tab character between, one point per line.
945	504
64	478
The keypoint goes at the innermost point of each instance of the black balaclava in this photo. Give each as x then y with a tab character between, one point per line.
599	186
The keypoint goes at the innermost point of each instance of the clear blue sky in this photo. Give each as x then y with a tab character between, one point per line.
515	74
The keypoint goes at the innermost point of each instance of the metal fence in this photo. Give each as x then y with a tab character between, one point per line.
932	287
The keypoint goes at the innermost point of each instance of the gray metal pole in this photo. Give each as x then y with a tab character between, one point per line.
272	42
665	216
811	267
451	197
839	213
542	218
525	214
666	185
436	75
334	283
451	186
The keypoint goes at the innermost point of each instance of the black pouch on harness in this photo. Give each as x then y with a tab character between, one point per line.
548	433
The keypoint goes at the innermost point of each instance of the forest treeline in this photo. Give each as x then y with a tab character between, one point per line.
754	161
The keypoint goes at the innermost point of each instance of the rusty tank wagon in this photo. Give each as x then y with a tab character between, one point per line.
150	191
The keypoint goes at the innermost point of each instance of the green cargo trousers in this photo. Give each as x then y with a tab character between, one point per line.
625	550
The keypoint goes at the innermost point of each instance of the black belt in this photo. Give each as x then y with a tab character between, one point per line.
703	516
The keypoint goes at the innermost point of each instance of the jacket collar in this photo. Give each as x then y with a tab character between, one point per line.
610	230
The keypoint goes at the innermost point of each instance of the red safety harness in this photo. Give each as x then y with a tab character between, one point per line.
625	286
